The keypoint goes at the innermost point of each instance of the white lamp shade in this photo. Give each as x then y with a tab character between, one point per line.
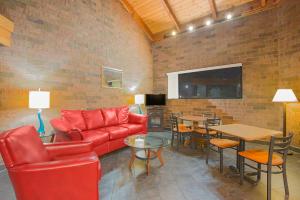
139	99
39	99
285	95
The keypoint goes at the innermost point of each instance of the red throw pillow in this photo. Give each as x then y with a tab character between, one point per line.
110	116
93	118
75	118
123	114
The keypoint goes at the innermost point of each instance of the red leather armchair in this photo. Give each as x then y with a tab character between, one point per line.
61	171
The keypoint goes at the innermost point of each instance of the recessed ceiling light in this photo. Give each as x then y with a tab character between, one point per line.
174	33
229	16
190	28
208	22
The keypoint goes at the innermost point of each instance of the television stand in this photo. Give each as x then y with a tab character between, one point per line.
155	118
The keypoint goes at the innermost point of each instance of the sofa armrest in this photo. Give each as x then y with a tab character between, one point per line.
62	126
74	179
68	148
137	118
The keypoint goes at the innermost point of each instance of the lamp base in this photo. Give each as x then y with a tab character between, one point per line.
41	129
140	110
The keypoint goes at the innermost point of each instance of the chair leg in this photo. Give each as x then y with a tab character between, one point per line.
269	189
241	167
207	152
178	140
258	172
172	140
237	159
286	186
221	159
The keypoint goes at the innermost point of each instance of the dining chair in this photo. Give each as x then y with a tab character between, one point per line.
178	130
216	143
209	115
200	131
274	157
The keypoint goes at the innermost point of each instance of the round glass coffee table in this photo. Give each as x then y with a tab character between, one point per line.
145	147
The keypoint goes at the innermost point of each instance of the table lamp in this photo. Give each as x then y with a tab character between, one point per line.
39	100
285	96
139	99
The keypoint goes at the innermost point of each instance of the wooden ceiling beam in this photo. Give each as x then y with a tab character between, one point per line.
171	14
213	8
245	11
138	19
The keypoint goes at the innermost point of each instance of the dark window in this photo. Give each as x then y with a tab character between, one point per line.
211	84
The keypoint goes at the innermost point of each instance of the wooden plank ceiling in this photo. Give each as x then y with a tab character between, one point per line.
158	16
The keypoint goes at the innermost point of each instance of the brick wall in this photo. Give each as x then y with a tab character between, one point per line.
289	59
267	44
60	46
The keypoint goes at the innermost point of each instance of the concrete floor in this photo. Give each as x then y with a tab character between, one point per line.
185	176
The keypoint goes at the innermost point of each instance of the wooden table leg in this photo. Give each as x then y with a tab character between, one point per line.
148	161
133	151
159	156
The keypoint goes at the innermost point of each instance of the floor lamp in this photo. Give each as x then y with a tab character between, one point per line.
285	96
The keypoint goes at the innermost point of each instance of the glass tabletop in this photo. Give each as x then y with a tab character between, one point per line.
146	141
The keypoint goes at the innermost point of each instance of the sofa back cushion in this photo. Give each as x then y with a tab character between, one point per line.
75	118
123	114
93	119
110	116
22	146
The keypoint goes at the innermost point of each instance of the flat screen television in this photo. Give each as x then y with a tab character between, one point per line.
155	99
225	83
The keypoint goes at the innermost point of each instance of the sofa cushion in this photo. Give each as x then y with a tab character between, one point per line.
110	116
134	128
97	137
93	118
75	118
116	132
123	114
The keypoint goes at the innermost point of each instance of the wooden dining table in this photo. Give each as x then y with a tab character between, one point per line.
245	133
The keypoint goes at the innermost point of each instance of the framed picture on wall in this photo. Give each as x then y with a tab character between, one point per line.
112	77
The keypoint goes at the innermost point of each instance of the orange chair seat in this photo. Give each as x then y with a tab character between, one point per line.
261	156
183	128
224	143
203	131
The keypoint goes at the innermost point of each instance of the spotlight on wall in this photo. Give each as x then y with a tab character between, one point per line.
229	16
208	22
132	88
173	33
190	28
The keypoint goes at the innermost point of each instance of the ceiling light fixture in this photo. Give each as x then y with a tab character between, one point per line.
229	16
174	33
190	28
208	22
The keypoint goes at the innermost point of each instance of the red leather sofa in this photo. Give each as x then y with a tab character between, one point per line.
60	171
105	128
